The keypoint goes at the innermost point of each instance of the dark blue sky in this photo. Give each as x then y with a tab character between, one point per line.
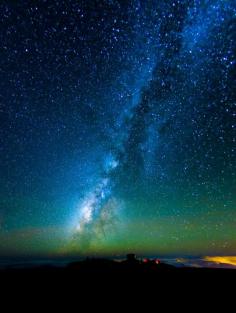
117	127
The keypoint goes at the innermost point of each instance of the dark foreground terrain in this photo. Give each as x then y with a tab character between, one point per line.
99	271
83	286
98	283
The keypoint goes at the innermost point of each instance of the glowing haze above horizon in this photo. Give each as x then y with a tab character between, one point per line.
117	129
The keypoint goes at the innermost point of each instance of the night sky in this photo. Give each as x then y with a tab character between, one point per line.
117	129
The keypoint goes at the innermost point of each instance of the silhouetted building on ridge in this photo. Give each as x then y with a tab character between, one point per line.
131	257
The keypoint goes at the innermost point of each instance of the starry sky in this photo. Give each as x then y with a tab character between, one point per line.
117	129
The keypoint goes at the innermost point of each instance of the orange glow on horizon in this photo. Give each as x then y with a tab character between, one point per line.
231	260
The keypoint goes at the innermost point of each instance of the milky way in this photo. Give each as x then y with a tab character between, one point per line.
118	127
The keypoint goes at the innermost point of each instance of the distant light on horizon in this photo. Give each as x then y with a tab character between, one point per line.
230	260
